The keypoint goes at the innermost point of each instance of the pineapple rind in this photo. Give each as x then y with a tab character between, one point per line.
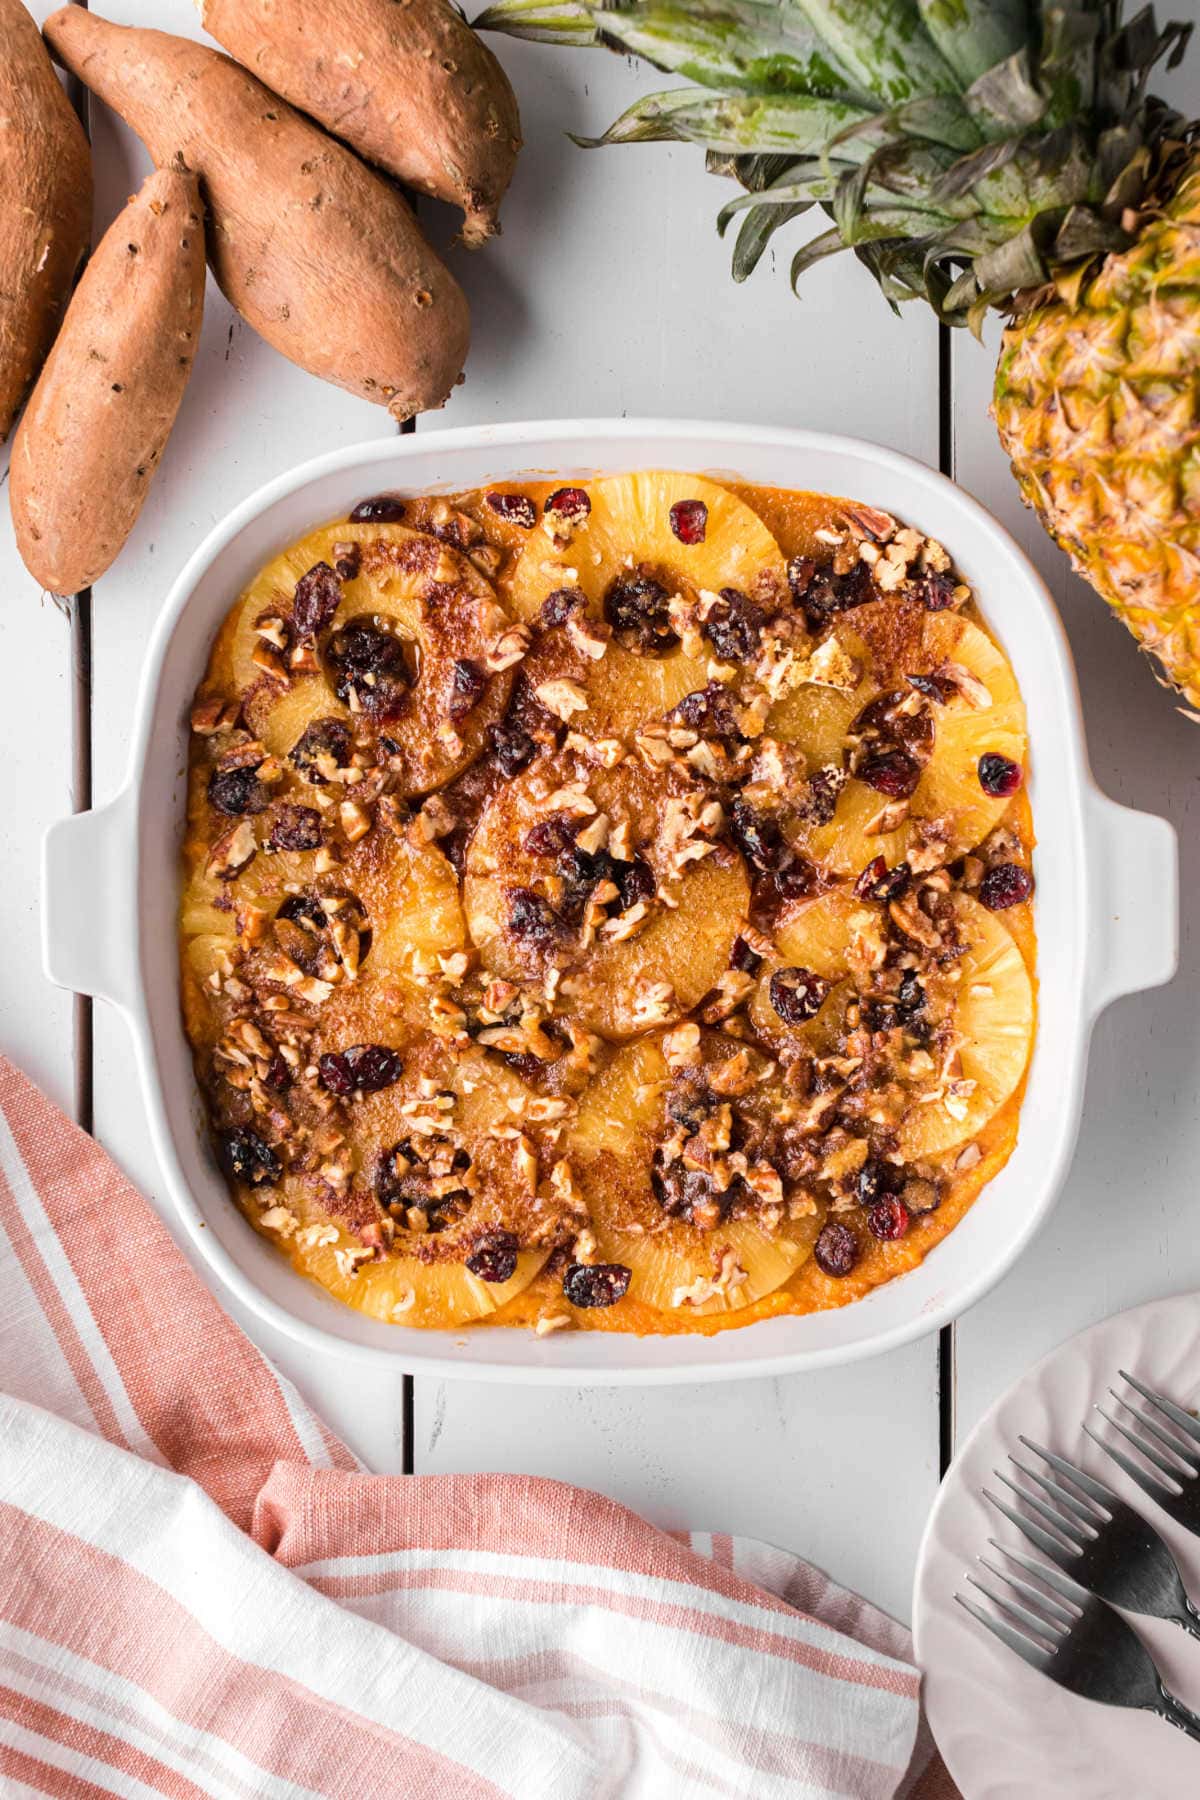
1097	406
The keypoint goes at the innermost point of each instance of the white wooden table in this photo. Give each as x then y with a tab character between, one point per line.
608	294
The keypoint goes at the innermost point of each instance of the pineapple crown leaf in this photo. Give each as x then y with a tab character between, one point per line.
967	151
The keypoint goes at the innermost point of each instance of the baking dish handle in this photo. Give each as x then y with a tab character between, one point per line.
89	901
1135	906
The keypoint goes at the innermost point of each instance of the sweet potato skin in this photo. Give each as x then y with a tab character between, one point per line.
98	419
45	205
410	87
315	250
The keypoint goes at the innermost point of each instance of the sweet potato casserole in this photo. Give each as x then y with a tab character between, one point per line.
608	905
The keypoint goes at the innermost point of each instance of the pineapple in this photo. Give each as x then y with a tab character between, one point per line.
978	156
978	712
629	560
401	1287
422	592
662	938
673	1264
981	1011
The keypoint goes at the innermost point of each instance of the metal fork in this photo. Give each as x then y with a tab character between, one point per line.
1179	1493
1098	1541
1091	1651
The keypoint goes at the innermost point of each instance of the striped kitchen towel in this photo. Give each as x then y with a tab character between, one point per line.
201	1593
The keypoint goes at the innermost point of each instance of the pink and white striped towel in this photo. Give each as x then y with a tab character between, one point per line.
201	1593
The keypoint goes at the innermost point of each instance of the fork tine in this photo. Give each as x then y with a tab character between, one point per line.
1103	1496
1183	1451
1041	1539
1091	1520
1049	1513
1055	1578
1147	1483
1059	1615
1176	1414
1033	1654
1032	1624
1143	1449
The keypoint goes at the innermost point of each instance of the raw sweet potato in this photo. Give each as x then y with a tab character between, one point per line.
85	452
409	86
45	204
315	250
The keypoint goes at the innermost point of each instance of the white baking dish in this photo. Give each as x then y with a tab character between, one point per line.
1106	895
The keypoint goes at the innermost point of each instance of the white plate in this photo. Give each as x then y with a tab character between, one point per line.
1006	1732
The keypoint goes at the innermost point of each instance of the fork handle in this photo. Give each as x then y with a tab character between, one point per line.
1176	1713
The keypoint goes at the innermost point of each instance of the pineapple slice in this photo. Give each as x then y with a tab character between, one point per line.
433	1289
981	713
980	1011
619	692
627	542
408	898
426	594
674	1265
716	541
551	844
994	1018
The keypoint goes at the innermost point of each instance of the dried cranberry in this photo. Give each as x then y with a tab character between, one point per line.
758	837
494	1257
774	890
324	737
1008	884
734	626
828	593
999	775
296	828
885	717
888	1219
363	1068
569	503
518	509
552	836
278	1076
800	571
680	1190
513	749
709	710
237	792
821	795
635	881
798	994
247	1158
370	668
303	911
935	588
689	521
878	882
836	1250
531	918
639	610
934	687
558	606
910	996
467	682
595	1284
871	1182
742	958
891	772
318	596
380	509
347	560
